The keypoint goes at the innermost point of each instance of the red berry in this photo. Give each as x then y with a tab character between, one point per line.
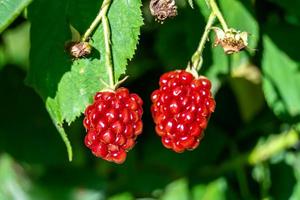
113	122
181	109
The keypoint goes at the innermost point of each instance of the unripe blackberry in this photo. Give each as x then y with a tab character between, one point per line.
181	109
113	123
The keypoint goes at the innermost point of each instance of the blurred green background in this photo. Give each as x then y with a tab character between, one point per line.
250	149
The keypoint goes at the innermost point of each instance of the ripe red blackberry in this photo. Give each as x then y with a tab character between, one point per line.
113	122
181	109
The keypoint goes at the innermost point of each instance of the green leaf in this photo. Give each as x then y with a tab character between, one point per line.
16	183
283	181
34	130
239	18
10	10
261	174
66	86
76	87
283	33
48	33
293	159
123	196
215	190
177	190
13	183
17	45
249	97
218	68
281	81
204	7
290	6
3	58
48	61
125	28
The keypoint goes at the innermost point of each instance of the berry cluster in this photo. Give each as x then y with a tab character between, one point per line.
181	109
113	122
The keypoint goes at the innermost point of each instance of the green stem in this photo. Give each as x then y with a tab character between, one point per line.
107	35
197	56
94	24
215	9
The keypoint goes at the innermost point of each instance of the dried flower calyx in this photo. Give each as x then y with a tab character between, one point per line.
231	40
163	9
78	49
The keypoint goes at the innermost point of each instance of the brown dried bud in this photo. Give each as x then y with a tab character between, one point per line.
163	9
232	40
78	49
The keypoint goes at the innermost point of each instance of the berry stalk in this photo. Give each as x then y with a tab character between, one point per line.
196	61
215	9
102	16
95	23
107	35
197	56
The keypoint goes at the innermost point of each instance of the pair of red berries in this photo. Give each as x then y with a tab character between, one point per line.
181	108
